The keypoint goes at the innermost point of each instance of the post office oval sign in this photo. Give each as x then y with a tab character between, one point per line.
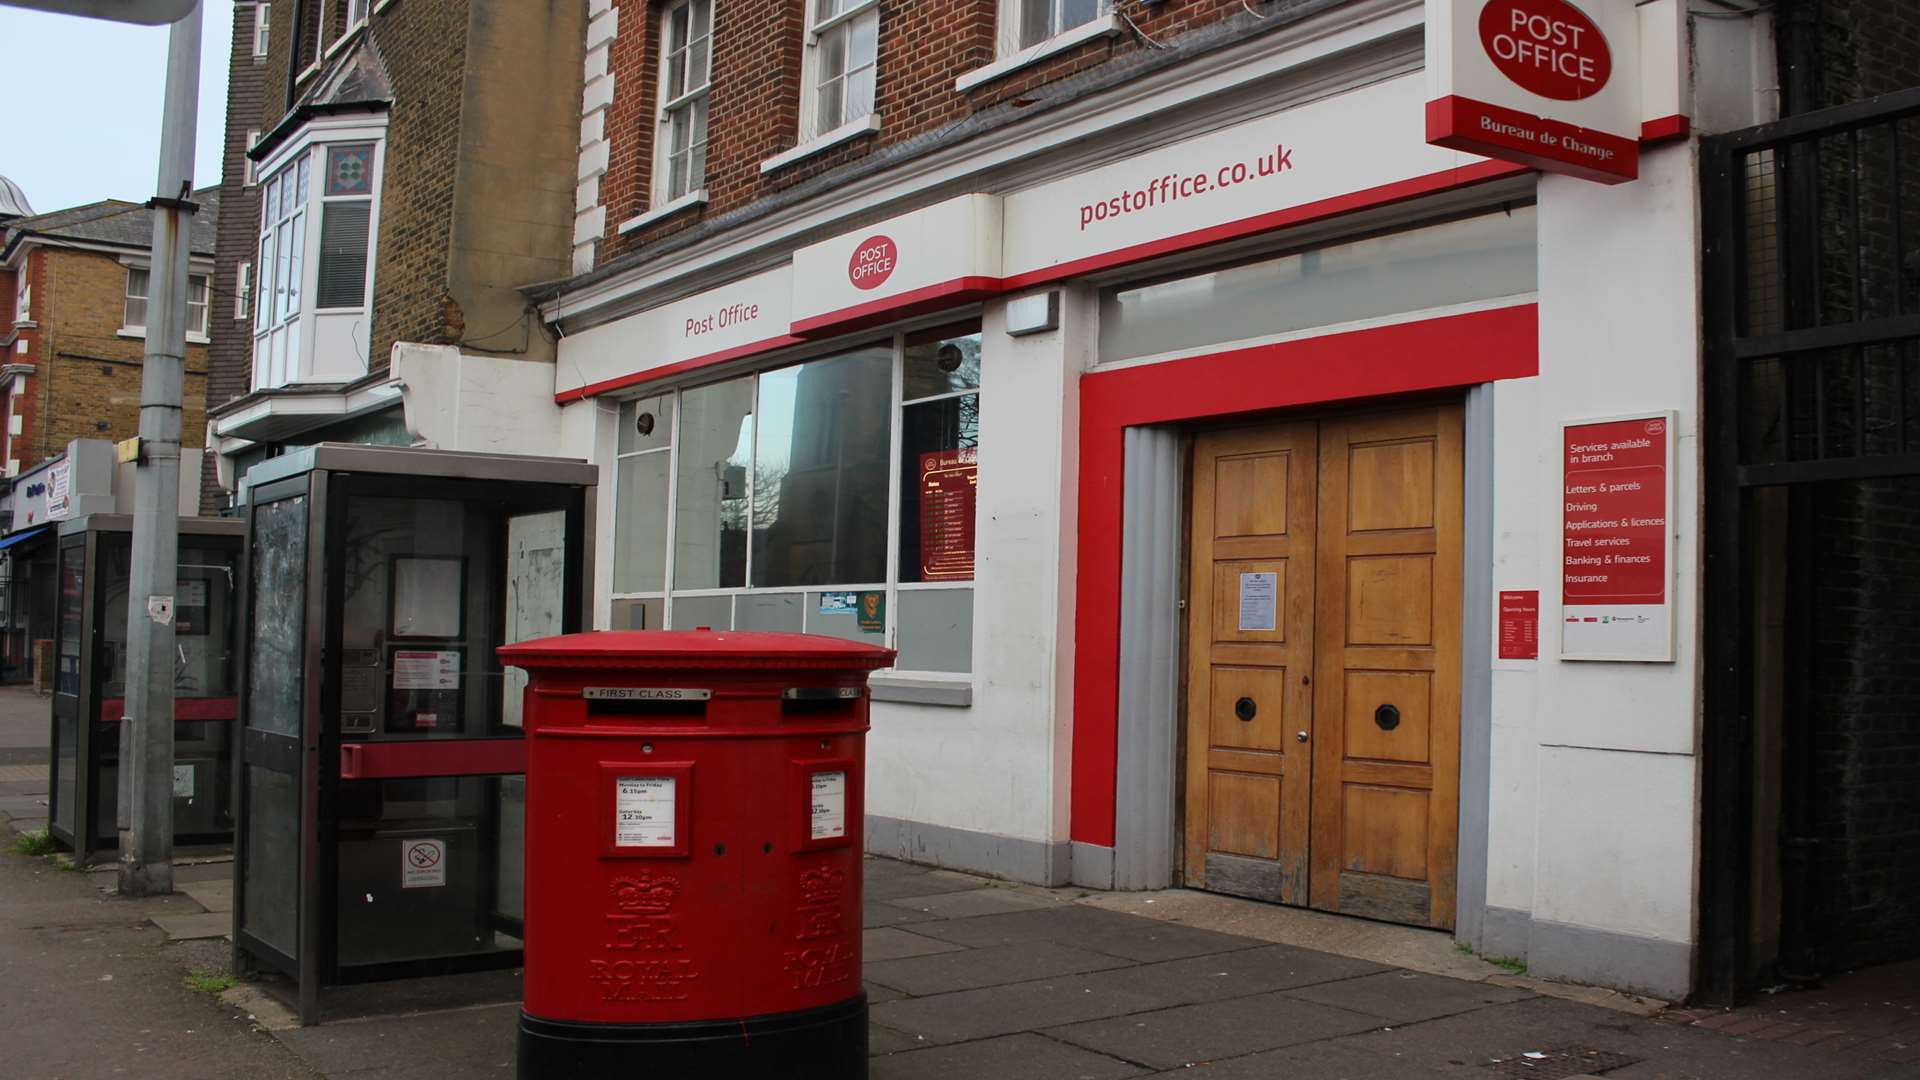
1548	47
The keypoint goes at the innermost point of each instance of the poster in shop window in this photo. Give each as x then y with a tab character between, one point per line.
1617	497
949	486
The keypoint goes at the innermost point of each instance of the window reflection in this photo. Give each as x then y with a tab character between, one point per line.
716	446
820	471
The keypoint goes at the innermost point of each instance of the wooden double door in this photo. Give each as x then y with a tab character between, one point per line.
1323	663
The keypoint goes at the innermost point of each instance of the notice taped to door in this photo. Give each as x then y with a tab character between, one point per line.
643	811
1259	601
829	812
423	864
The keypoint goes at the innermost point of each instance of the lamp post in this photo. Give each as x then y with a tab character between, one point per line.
146	732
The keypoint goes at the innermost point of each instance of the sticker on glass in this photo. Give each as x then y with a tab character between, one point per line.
423	864
643	811
426	669
829	805
1259	601
183	781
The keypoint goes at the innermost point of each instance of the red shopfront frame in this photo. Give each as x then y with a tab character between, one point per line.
1429	354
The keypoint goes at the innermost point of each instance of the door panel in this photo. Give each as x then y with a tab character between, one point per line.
1387	654
1250	656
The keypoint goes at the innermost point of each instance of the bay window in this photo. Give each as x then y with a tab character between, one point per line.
686	66
312	277
834	496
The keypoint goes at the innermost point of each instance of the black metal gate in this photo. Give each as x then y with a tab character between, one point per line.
1812	373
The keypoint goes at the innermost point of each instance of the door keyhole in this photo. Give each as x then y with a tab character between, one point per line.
1245	709
1387	717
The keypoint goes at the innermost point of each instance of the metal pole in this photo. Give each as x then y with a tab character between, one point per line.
146	735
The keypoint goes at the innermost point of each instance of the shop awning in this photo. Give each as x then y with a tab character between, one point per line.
22	536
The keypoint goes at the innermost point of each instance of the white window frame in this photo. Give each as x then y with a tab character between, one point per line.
262	30
243	295
251	176
812	131
664	197
196	334
298	363
892	586
1011	56
357	13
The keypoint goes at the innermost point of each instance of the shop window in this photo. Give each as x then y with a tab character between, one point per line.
1488	257
686	66
710	486
843	39
820	472
778	500
642	479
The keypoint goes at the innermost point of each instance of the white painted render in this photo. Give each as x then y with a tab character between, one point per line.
1593	795
1593	770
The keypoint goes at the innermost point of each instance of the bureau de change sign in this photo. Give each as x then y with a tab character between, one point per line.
1552	84
1616	586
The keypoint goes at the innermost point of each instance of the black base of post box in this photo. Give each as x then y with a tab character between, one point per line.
817	1044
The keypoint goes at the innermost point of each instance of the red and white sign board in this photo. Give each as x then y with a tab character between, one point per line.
1520	624
1554	84
1293	164
1616	590
733	319
937	255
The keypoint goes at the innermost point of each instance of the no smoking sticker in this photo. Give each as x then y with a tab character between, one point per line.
423	864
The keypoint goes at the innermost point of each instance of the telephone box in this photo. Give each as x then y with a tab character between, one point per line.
95	567
694	842
381	782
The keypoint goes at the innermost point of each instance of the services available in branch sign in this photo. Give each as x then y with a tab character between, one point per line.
1617	540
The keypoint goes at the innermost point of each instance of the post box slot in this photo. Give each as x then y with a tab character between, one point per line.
817	701
647	709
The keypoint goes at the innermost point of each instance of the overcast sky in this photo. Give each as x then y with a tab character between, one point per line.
83	105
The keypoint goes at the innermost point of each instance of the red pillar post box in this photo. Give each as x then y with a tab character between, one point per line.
694	840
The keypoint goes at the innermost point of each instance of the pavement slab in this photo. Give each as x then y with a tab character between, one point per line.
971	902
1321	1061
215	895
1171	1038
1004	1010
1083	927
882	1040
454	1043
892	943
1241	973
1406	996
195	927
969	969
1010	1057
878	913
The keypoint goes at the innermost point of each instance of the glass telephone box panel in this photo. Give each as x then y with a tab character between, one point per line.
382	788
431	867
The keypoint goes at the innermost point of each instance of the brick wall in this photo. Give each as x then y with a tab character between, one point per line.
754	105
1864	712
424	42
87	377
230	356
